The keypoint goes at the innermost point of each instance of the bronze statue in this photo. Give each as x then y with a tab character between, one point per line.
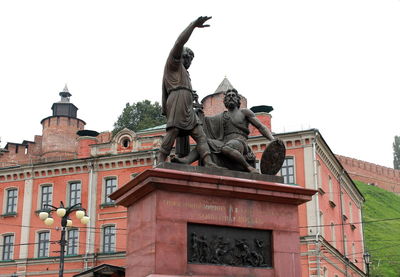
227	135
177	98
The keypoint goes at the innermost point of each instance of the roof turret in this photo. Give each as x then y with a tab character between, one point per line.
64	107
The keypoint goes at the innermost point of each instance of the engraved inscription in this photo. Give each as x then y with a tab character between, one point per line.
215	212
222	245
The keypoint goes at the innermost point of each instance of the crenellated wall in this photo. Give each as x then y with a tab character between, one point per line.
20	153
380	176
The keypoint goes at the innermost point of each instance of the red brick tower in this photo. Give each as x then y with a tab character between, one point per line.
214	103
59	130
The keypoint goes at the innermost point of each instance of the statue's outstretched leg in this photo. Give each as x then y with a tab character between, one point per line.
189	159
237	157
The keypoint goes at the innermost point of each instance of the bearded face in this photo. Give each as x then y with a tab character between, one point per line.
232	100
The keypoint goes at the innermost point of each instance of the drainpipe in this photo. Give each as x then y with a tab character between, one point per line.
363	237
342	222
91	166
85	259
314	150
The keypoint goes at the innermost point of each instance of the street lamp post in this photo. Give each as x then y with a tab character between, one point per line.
367	260
65	222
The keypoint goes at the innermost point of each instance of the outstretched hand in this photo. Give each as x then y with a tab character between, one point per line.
199	22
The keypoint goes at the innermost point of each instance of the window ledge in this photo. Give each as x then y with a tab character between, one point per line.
72	255
108	253
112	253
106	205
7	261
42	210
332	203
9	215
42	258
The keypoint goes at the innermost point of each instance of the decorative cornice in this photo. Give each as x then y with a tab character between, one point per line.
77	166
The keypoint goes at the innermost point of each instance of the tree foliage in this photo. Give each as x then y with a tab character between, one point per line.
396	152
139	116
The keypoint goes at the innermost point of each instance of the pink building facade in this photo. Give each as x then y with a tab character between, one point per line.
93	165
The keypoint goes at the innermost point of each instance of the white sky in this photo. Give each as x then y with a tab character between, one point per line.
330	65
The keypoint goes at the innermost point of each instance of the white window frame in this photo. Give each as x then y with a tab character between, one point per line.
319	175
77	242
103	228
5	200
37	244
321	219
343	204
294	169
333	234
3	236
103	196
40	195
331	191
69	191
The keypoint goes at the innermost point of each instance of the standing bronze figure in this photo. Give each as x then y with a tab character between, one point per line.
177	98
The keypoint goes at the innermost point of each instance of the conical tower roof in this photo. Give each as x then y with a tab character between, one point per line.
224	86
214	103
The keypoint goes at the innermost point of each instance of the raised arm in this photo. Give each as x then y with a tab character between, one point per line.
251	117
185	35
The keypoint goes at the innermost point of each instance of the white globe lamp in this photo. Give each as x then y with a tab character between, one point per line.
85	220
61	212
43	215
48	221
80	214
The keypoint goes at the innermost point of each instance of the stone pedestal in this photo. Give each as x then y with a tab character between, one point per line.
163	203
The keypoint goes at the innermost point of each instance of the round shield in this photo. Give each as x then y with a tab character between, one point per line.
273	157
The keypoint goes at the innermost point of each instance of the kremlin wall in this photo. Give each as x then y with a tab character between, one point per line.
373	174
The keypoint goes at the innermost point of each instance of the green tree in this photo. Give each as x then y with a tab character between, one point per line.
139	116
396	152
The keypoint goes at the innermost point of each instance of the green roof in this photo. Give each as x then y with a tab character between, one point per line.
154	128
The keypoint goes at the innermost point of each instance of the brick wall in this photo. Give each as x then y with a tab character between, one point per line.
21	153
381	176
214	103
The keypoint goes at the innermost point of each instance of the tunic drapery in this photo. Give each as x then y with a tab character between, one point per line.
177	100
